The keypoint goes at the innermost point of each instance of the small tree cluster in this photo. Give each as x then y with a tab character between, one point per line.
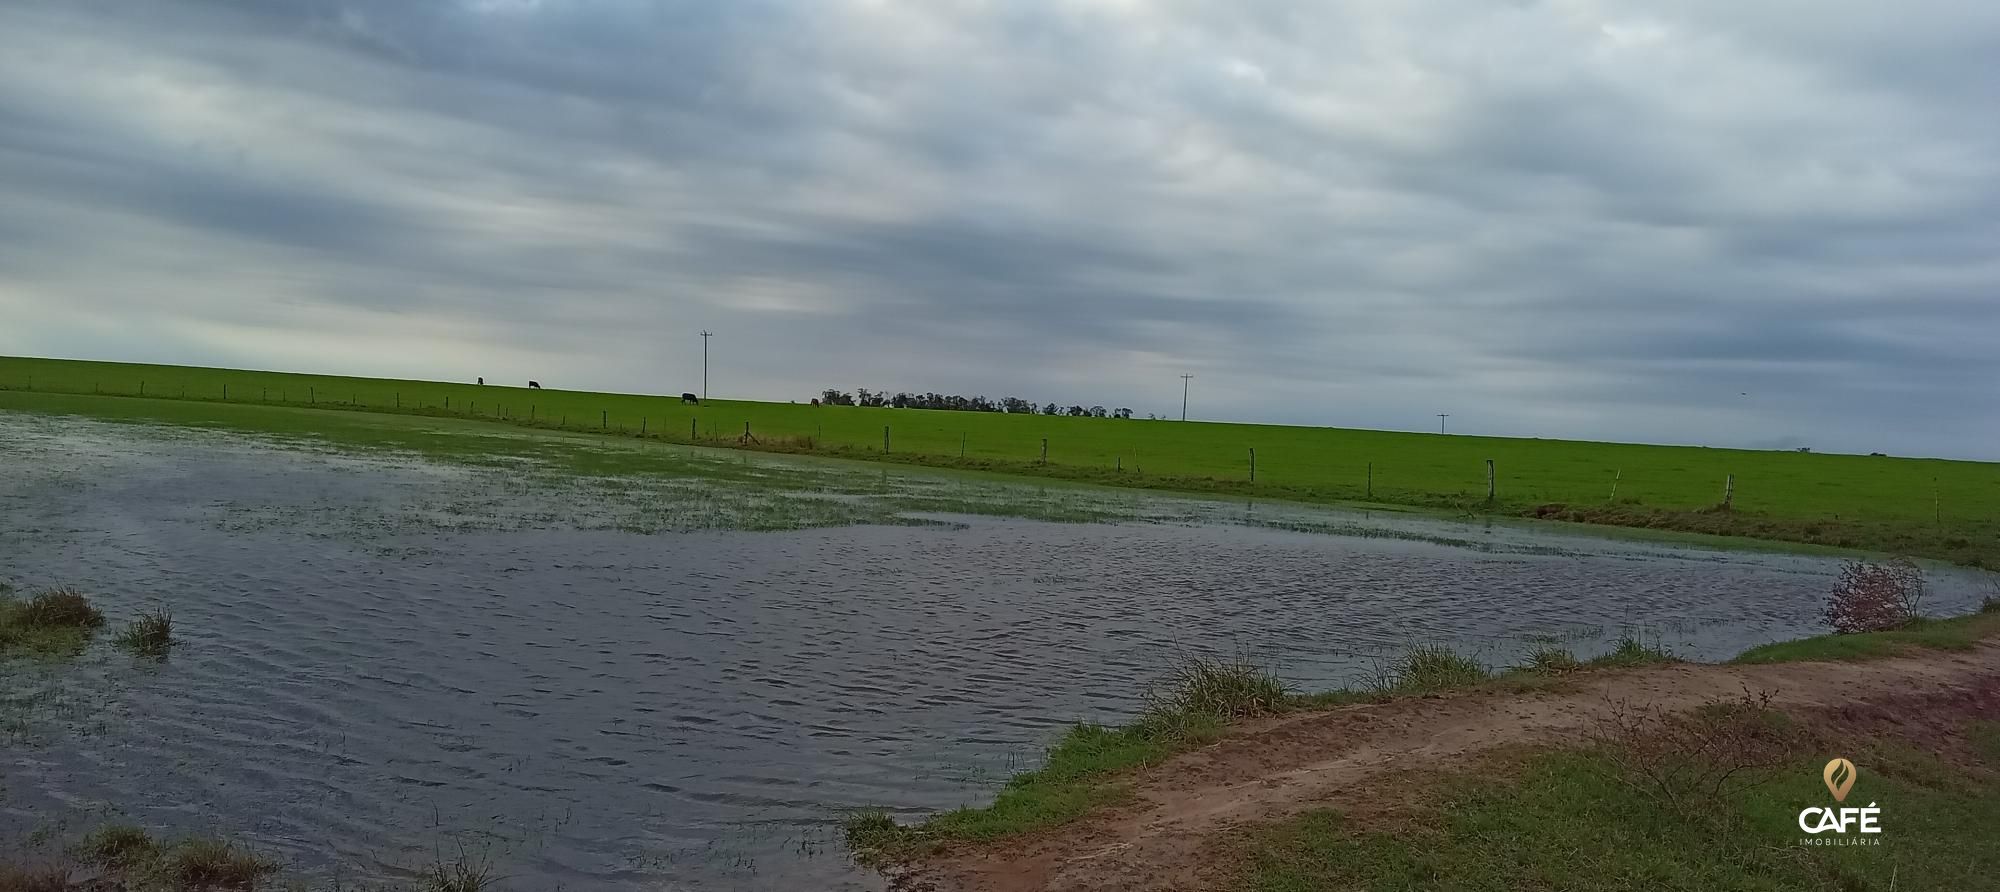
954	403
1872	597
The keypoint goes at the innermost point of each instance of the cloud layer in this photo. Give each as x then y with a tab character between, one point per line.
1707	222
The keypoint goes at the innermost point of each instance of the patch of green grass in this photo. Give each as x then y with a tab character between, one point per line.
1076	777
152	634
54	623
1841	501
1568	821
1955	633
1321	700
1985	738
1429	669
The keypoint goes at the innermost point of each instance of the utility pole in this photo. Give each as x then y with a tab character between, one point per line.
705	335
1441	417
1184	387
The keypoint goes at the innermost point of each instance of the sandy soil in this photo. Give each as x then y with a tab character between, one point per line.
1272	769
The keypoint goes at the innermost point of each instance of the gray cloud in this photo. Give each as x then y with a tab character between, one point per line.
1562	218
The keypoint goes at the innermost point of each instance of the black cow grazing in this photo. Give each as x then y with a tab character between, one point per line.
535	384
690	398
482	380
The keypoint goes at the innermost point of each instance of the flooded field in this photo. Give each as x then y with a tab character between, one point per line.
682	678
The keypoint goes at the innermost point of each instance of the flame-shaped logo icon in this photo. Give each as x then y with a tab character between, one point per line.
1839	777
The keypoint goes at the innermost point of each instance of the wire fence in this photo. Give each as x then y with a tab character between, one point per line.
1038	449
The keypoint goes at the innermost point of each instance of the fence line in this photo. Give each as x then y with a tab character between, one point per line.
227	389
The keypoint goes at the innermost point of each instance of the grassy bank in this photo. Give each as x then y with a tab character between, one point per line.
1602	817
1955	633
1949	510
1088	766
1092	764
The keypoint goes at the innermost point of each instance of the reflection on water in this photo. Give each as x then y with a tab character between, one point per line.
592	684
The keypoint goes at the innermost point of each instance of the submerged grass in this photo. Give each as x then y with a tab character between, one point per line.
152	634
125	858
53	623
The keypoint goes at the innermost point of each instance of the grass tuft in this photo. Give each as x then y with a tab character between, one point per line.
1205	688
117	848
206	863
58	608
1632	649
1430	668
152	634
459	875
1550	660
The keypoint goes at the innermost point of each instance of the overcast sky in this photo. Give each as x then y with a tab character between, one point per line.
1708	221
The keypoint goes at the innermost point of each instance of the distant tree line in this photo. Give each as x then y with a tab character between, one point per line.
953	403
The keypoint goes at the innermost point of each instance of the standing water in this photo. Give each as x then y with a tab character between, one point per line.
684	680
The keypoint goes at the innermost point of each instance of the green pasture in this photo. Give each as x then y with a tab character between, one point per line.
1842	500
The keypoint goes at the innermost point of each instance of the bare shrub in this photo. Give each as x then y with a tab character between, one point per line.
1872	597
1684	760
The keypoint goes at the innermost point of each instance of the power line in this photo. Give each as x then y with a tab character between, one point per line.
1184	389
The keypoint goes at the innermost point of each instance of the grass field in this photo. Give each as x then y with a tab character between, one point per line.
1943	509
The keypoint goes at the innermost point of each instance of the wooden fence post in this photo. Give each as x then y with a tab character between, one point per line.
642	425
1253	464
603	418
1615	477
1729	491
885	439
1371	479
1045	450
1489	480
694	425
